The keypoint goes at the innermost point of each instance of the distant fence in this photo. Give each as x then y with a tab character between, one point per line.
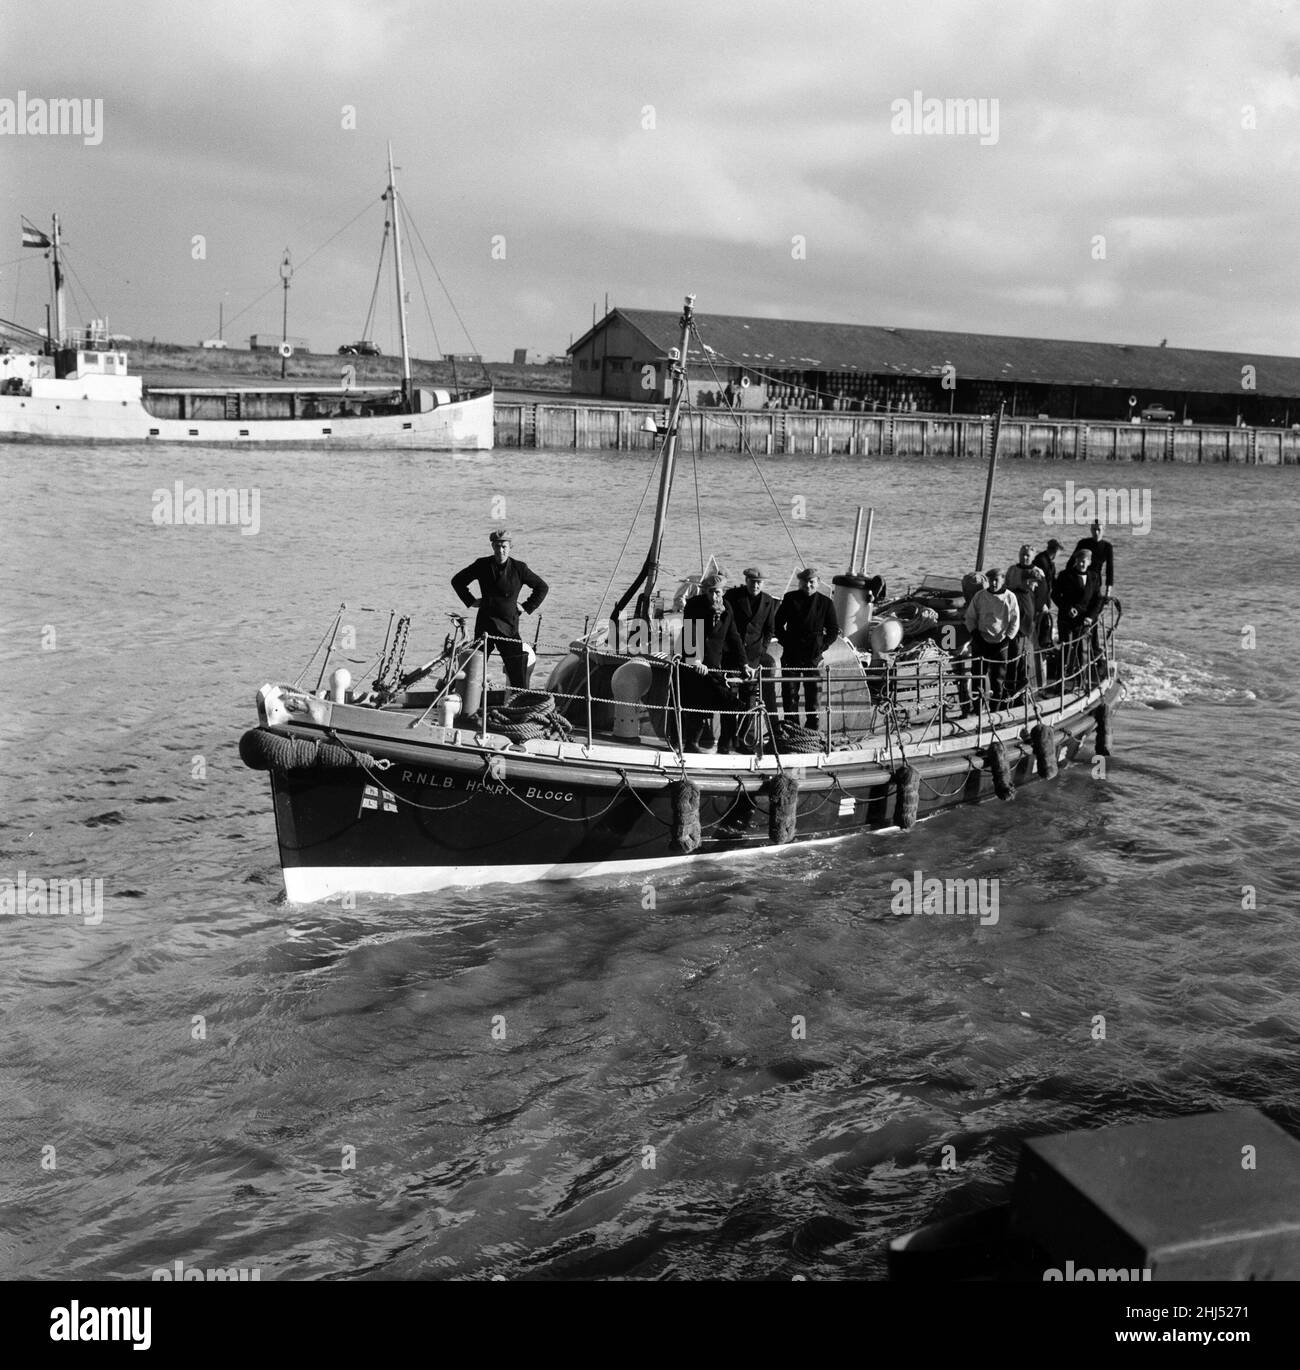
619	429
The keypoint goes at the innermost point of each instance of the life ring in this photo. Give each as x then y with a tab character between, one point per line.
286	350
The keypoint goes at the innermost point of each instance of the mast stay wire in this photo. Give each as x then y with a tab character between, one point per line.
379	272
771	378
749	451
415	229
695	471
654	466
75	286
279	285
424	294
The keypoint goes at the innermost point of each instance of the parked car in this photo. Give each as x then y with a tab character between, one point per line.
364	348
1157	413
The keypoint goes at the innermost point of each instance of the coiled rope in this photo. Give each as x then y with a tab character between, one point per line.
794	738
529	715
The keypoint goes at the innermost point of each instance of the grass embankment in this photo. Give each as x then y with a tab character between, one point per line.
160	361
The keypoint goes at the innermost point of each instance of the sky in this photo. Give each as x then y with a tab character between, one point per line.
1140	182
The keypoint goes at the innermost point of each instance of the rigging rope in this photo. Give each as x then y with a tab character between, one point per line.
744	442
428	312
415	229
279	285
699	516
379	271
654	465
774	379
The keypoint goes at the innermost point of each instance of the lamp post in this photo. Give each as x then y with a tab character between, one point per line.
286	271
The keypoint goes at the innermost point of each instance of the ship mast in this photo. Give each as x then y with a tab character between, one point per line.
649	573
401	282
59	322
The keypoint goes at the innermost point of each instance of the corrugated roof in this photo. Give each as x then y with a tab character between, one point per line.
789	344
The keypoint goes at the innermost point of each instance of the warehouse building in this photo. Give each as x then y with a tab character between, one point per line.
780	363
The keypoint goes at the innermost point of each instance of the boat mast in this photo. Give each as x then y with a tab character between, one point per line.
988	489
401	281
59	323
650	571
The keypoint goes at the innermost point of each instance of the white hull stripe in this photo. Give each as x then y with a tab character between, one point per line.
306	884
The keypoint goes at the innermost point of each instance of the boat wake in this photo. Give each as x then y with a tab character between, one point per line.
1164	678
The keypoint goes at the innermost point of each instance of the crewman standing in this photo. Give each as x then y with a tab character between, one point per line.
755	614
1045	561
1103	557
500	578
1079	596
806	624
710	643
993	618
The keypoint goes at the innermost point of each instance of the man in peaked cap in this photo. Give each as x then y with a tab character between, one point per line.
1046	563
755	614
710	643
500	578
806	624
1079	598
1103	557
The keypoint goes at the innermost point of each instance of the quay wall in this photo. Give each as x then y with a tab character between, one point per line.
774	431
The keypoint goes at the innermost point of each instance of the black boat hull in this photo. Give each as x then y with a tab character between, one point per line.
395	816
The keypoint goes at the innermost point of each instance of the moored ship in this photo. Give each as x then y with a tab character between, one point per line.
79	390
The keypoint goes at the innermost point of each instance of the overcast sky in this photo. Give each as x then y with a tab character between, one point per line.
551	152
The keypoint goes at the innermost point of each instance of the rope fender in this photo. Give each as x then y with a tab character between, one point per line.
1101	747
1043	738
996	756
262	750
783	810
686	815
908	779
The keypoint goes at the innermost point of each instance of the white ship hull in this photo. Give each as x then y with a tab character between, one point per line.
111	409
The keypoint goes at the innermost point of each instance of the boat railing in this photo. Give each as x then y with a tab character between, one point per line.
918	700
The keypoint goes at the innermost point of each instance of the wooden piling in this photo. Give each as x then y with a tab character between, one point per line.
617	428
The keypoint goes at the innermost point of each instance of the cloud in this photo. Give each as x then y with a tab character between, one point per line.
685	150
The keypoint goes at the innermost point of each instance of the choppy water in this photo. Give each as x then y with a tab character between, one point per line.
200	1060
